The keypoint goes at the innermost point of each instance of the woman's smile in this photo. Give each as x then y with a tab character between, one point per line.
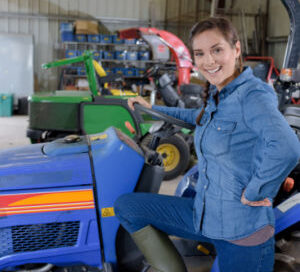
214	71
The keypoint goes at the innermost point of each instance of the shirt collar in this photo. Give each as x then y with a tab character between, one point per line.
232	85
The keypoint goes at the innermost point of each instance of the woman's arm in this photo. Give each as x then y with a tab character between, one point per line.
281	151
187	115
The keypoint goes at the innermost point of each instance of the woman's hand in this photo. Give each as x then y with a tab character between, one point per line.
138	99
266	202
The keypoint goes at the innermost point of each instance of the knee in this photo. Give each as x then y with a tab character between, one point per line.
121	205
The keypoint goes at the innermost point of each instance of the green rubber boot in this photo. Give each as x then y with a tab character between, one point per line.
158	250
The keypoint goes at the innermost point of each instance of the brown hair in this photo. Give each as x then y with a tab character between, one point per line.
231	36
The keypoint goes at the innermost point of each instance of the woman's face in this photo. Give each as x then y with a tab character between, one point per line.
215	58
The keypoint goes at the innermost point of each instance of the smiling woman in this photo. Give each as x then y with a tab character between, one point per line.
245	150
217	53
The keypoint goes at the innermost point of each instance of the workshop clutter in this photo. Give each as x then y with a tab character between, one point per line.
127	57
112	55
125	71
88	31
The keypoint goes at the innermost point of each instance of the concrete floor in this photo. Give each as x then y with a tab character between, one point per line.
13	134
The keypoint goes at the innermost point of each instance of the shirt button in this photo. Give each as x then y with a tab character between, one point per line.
205	187
218	128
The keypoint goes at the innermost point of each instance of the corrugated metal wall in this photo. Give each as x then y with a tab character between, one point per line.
181	15
184	13
41	19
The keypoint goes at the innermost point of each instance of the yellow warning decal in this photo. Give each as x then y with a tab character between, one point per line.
99	137
107	212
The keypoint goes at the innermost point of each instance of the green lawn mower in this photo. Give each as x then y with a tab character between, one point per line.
80	112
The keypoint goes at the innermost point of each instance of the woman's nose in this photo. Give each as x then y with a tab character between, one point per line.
208	59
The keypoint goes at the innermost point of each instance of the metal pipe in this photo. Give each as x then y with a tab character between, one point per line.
42	16
45	268
213	6
277	39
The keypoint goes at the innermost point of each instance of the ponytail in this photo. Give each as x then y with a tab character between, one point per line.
204	97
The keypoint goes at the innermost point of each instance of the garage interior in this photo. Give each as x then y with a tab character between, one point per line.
38	32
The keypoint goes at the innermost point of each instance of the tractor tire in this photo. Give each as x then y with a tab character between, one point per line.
175	153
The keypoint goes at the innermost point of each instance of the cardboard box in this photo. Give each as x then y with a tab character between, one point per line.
86	27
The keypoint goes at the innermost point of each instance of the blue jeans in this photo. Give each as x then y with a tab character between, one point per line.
174	216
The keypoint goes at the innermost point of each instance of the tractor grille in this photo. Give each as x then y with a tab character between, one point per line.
26	238
6	247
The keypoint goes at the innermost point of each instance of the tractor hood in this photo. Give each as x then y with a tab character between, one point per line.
55	164
65	162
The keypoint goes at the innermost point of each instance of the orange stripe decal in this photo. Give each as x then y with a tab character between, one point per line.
60	197
46	202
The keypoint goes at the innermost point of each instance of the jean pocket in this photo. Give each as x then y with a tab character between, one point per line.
218	137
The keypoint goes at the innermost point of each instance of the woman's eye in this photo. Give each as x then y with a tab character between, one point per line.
217	50
198	54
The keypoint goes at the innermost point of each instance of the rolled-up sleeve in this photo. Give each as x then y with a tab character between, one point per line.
281	150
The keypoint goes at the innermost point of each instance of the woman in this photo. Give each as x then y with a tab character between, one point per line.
245	150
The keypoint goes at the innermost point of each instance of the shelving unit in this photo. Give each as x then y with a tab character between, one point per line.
132	69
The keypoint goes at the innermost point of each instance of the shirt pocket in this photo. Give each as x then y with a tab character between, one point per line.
218	136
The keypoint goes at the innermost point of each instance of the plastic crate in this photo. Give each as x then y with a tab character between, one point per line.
117	40
70	53
93	38
107	55
81	71
97	55
130	41
132	55
140	72
119	70
80	37
108	70
120	55
66	27
6	104
105	38
67	36
144	55
79	52
130	72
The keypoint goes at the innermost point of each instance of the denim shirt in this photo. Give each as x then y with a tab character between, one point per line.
243	144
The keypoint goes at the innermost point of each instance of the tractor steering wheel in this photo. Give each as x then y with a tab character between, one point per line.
164	117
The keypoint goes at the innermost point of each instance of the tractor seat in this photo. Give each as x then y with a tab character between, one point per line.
192	95
191	89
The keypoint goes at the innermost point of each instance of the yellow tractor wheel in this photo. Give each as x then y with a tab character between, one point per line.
175	153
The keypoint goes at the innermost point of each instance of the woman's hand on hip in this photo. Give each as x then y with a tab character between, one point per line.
266	202
138	99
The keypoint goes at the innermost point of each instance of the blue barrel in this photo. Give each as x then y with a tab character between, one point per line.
117	40
132	55
67	36
70	53
107	55
144	55
120	55
80	37
93	38
105	38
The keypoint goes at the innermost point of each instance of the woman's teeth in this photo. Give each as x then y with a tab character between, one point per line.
214	71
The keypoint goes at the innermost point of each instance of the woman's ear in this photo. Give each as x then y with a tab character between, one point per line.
238	48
